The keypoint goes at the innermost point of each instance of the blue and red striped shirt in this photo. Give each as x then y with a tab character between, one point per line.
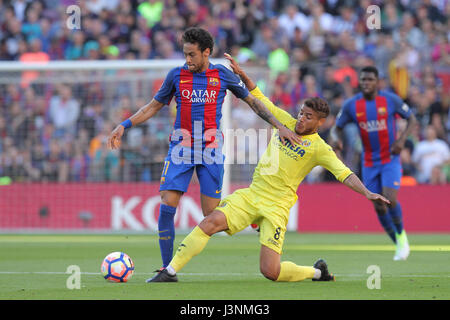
199	98
376	121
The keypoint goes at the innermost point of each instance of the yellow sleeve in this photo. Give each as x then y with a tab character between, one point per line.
281	115
329	160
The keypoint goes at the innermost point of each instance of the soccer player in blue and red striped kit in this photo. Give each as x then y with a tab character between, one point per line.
374	112
199	88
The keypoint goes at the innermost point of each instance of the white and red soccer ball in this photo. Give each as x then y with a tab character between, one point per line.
117	267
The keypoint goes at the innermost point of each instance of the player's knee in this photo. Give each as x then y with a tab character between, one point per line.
269	272
381	209
213	223
393	203
170	198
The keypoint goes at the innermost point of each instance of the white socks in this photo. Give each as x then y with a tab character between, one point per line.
317	274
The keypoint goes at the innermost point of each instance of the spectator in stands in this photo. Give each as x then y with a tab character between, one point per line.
151	10
292	18
64	111
75	49
411	51
330	88
14	39
34	55
281	98
429	156
264	42
56	165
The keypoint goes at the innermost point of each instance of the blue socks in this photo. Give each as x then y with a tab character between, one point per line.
396	215
166	228
388	225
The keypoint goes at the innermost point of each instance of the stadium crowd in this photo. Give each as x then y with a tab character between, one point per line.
312	48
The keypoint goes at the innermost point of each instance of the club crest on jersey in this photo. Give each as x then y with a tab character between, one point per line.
382	111
213	81
306	143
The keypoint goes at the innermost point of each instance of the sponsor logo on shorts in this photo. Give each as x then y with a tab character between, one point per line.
275	243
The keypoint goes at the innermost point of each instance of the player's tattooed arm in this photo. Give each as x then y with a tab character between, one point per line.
353	182
261	110
259	107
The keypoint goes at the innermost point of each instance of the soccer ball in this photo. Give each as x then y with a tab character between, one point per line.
117	267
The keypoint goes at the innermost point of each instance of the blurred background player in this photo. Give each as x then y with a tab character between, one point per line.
374	111
199	88
272	193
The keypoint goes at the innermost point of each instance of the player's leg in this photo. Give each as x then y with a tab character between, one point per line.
208	204
391	177
196	241
286	271
395	211
372	180
210	177
231	216
166	223
192	245
175	180
394	208
272	231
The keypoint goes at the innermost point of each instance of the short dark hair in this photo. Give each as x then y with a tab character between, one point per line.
319	105
370	69
200	36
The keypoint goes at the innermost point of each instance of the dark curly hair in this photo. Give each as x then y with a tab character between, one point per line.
319	105
200	36
370	69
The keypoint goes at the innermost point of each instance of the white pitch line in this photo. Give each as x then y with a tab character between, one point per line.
222	274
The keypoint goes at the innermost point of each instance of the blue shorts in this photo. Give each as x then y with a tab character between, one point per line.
177	176
383	175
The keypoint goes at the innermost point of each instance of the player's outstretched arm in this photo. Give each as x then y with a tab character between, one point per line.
261	110
258	107
355	184
240	72
142	115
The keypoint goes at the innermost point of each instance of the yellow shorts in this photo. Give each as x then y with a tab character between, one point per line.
245	207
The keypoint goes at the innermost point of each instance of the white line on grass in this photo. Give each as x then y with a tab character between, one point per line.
225	274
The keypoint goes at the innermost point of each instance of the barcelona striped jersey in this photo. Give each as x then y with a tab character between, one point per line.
199	98
376	121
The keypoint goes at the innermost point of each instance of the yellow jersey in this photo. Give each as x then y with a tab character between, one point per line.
282	168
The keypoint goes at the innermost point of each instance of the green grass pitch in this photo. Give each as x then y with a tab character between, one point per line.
34	267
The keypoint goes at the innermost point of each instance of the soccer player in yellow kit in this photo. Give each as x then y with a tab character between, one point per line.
272	193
